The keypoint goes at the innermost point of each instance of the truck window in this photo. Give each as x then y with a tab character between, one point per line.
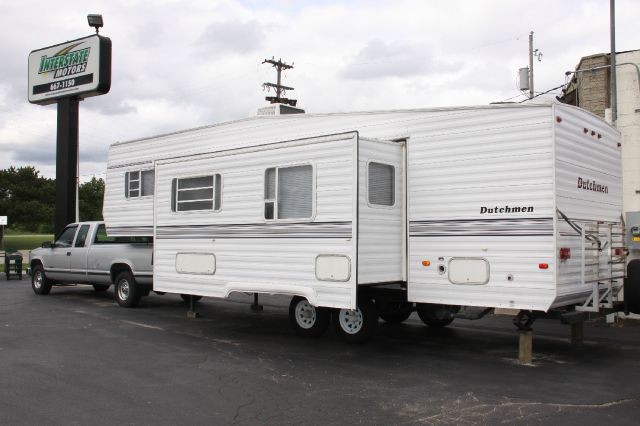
66	237
82	236
103	238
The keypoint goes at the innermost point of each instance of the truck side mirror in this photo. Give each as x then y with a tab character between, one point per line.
47	244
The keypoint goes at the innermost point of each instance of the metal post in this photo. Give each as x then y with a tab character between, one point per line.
613	87
531	64
66	163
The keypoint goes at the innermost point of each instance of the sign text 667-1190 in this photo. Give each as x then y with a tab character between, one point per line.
62	84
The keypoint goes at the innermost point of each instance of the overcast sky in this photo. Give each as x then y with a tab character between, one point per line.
179	64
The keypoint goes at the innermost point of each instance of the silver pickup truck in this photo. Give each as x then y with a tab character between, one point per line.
84	254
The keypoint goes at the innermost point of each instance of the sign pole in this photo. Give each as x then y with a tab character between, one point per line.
66	162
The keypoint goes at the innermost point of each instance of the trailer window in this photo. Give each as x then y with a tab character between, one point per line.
381	184
139	183
196	193
288	192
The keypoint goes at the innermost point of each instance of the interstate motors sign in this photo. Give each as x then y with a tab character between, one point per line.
79	68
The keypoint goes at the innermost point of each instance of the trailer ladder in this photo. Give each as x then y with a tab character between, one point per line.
602	248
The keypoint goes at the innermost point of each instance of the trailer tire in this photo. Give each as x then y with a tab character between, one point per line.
101	287
185	297
435	315
395	312
356	325
40	284
127	292
306	319
632	287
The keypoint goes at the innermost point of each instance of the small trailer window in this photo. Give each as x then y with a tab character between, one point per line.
139	183
288	192
381	184
196	193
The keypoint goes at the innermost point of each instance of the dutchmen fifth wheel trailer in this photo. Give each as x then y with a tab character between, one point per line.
360	215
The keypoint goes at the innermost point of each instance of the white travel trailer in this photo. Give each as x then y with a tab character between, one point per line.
373	213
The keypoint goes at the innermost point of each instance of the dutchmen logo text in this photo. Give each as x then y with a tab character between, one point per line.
65	62
592	185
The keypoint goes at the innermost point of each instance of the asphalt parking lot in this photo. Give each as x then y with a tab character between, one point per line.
75	357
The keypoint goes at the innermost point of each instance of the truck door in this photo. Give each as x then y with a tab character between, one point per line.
57	261
78	258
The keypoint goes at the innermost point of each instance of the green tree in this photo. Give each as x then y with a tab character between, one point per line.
91	196
27	199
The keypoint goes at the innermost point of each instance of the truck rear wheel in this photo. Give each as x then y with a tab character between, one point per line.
435	315
39	282
127	292
394	312
356	325
306	319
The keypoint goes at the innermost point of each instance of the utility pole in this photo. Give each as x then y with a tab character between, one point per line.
279	88
613	86
537	53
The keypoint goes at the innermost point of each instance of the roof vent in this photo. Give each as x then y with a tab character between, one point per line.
279	109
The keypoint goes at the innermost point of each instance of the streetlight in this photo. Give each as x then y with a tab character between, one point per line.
95	21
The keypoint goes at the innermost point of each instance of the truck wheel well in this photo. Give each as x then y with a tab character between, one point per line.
117	268
34	263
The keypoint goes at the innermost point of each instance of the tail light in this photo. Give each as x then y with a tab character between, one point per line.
543	265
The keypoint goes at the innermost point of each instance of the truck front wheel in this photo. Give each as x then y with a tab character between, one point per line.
127	292
39	282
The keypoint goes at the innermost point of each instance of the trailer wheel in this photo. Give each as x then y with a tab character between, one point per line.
306	319
101	287
435	315
632	287
185	297
394	312
356	325
39	282
128	293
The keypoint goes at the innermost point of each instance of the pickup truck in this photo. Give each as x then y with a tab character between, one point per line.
84	254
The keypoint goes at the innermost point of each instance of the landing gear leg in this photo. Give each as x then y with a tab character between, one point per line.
256	307
192	314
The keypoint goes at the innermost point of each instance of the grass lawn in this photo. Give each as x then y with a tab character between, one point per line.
25	241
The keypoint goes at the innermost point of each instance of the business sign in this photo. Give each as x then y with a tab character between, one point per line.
79	68
3	220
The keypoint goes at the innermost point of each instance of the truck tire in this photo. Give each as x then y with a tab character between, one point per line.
101	287
394	312
39	282
435	315
185	297
306	319
356	325
632	287
127	292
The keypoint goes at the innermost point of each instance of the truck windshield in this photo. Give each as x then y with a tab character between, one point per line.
103	238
